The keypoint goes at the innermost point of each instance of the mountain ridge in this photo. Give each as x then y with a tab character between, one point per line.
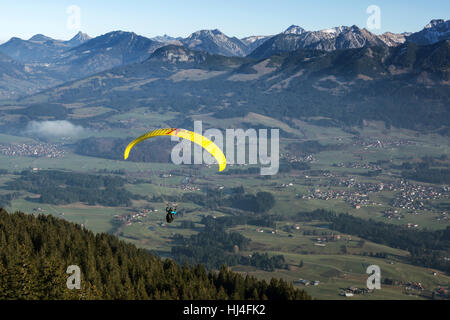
343	37
39	48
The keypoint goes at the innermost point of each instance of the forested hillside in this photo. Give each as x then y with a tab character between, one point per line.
35	252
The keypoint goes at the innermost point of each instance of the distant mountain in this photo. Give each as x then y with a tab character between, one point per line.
34	50
39	48
125	46
40	38
433	32
50	62
107	51
78	39
329	39
215	42
294	30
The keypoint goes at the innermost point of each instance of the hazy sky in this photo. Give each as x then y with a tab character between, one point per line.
240	18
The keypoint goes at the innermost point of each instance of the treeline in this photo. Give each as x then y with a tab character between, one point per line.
295	165
261	202
371	173
59	187
118	171
234	198
427	248
35	252
429	169
264	262
429	175
213	247
35	111
319	214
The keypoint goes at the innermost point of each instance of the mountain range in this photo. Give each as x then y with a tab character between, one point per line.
344	37
42	49
338	72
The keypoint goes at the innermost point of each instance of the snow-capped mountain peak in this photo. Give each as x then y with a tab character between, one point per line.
329	30
293	29
433	23
435	31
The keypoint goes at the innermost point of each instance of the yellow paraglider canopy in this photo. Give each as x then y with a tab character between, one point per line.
207	144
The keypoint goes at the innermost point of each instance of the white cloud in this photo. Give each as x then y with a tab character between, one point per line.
53	128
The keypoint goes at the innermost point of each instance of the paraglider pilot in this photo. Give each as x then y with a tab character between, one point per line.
170	213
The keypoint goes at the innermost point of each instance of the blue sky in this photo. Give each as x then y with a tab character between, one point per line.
240	18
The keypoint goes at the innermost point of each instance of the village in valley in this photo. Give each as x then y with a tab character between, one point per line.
41	149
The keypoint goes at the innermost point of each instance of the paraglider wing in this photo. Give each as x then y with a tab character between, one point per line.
207	144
